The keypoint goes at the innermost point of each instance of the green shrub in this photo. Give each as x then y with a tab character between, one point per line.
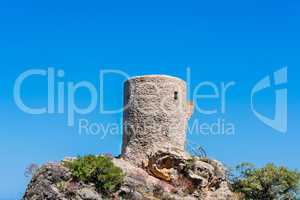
99	170
267	183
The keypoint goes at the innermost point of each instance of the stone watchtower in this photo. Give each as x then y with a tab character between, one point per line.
156	112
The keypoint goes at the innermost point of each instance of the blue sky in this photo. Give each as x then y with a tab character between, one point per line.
220	41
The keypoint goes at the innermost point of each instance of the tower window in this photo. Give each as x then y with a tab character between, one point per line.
175	95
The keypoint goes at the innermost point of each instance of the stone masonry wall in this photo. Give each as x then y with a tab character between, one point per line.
155	116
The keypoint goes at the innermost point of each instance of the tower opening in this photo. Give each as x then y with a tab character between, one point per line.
175	95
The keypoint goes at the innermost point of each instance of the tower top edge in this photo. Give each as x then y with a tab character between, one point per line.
155	76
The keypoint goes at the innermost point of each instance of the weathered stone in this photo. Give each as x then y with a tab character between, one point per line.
42	185
155	116
89	194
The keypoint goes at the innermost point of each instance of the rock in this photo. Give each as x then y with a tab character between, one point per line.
174	176
163	165
89	193
54	182
167	176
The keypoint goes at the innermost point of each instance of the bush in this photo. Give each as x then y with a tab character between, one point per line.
267	183
99	170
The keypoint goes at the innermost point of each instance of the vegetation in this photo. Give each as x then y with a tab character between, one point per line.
31	170
99	170
267	183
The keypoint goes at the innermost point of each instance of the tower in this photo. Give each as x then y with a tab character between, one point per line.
156	112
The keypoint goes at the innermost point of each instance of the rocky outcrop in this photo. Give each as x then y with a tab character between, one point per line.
153	157
167	175
54	181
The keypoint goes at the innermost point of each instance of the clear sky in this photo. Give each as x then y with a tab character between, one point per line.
220	41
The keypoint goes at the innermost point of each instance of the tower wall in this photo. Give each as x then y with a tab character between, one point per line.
155	116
